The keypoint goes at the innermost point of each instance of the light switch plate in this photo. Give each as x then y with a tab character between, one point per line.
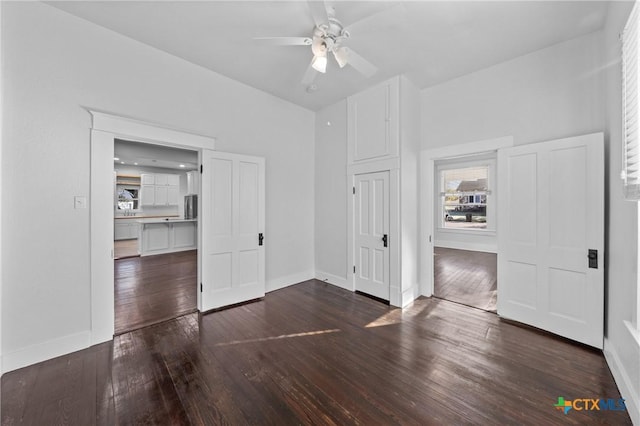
79	202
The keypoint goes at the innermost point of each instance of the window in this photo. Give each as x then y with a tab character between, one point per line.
465	196
631	139
127	199
630	108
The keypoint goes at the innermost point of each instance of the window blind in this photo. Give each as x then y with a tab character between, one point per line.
630	108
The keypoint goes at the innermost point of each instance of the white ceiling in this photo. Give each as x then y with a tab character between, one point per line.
429	41
142	154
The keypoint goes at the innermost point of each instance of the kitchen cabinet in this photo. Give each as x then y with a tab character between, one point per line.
124	229
147	179
157	236
147	195
373	123
163	191
184	235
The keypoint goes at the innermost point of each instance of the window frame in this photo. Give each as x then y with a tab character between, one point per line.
491	208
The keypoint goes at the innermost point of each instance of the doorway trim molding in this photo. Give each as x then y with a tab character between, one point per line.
427	182
105	129
393	167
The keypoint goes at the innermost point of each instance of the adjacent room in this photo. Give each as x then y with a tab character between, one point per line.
319	212
155	233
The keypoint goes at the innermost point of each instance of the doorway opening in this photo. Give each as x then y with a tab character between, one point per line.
465	260
155	233
466	277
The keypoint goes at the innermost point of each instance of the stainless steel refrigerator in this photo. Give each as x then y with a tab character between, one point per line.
191	206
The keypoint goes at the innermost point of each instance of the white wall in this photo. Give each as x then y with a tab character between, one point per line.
549	94
331	195
51	74
409	154
622	351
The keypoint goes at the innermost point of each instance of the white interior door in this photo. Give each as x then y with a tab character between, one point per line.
232	223
550	215
371	228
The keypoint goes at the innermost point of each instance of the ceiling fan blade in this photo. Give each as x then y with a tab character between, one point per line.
285	41
363	66
342	56
309	75
318	12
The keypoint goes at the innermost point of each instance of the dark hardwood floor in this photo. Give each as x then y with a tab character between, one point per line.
153	289
316	354
467	277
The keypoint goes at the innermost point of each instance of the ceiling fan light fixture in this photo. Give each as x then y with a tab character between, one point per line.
319	63
342	56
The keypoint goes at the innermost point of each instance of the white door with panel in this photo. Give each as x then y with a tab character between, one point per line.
551	236
232	221
371	229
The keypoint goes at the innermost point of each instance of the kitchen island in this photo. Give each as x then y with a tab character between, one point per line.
158	236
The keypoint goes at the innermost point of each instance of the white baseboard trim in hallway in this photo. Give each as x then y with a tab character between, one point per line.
333	279
286	281
46	350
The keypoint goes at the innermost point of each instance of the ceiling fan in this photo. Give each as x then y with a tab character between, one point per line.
328	39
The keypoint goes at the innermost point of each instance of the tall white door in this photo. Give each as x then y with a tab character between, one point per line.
551	236
371	239
232	222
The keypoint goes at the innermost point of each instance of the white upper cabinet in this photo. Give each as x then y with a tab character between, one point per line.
147	179
147	195
162	179
173	180
161	198
172	195
372	123
163	191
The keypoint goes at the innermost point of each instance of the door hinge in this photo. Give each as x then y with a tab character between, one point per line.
354	269
201	168
200	287
354	190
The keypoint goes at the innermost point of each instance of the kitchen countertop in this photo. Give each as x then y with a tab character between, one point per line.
170	220
147	217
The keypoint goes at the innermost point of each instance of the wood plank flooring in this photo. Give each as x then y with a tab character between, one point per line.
467	277
317	354
155	288
125	248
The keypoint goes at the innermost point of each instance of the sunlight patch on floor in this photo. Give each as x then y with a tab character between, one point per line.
284	336
398	315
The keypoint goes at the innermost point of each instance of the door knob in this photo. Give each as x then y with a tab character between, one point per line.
384	240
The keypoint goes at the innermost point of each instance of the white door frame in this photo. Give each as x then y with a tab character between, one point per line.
393	167
105	128
427	185
370	286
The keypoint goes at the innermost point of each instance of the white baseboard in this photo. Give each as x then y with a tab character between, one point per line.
410	294
465	245
624	382
44	351
286	281
334	279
